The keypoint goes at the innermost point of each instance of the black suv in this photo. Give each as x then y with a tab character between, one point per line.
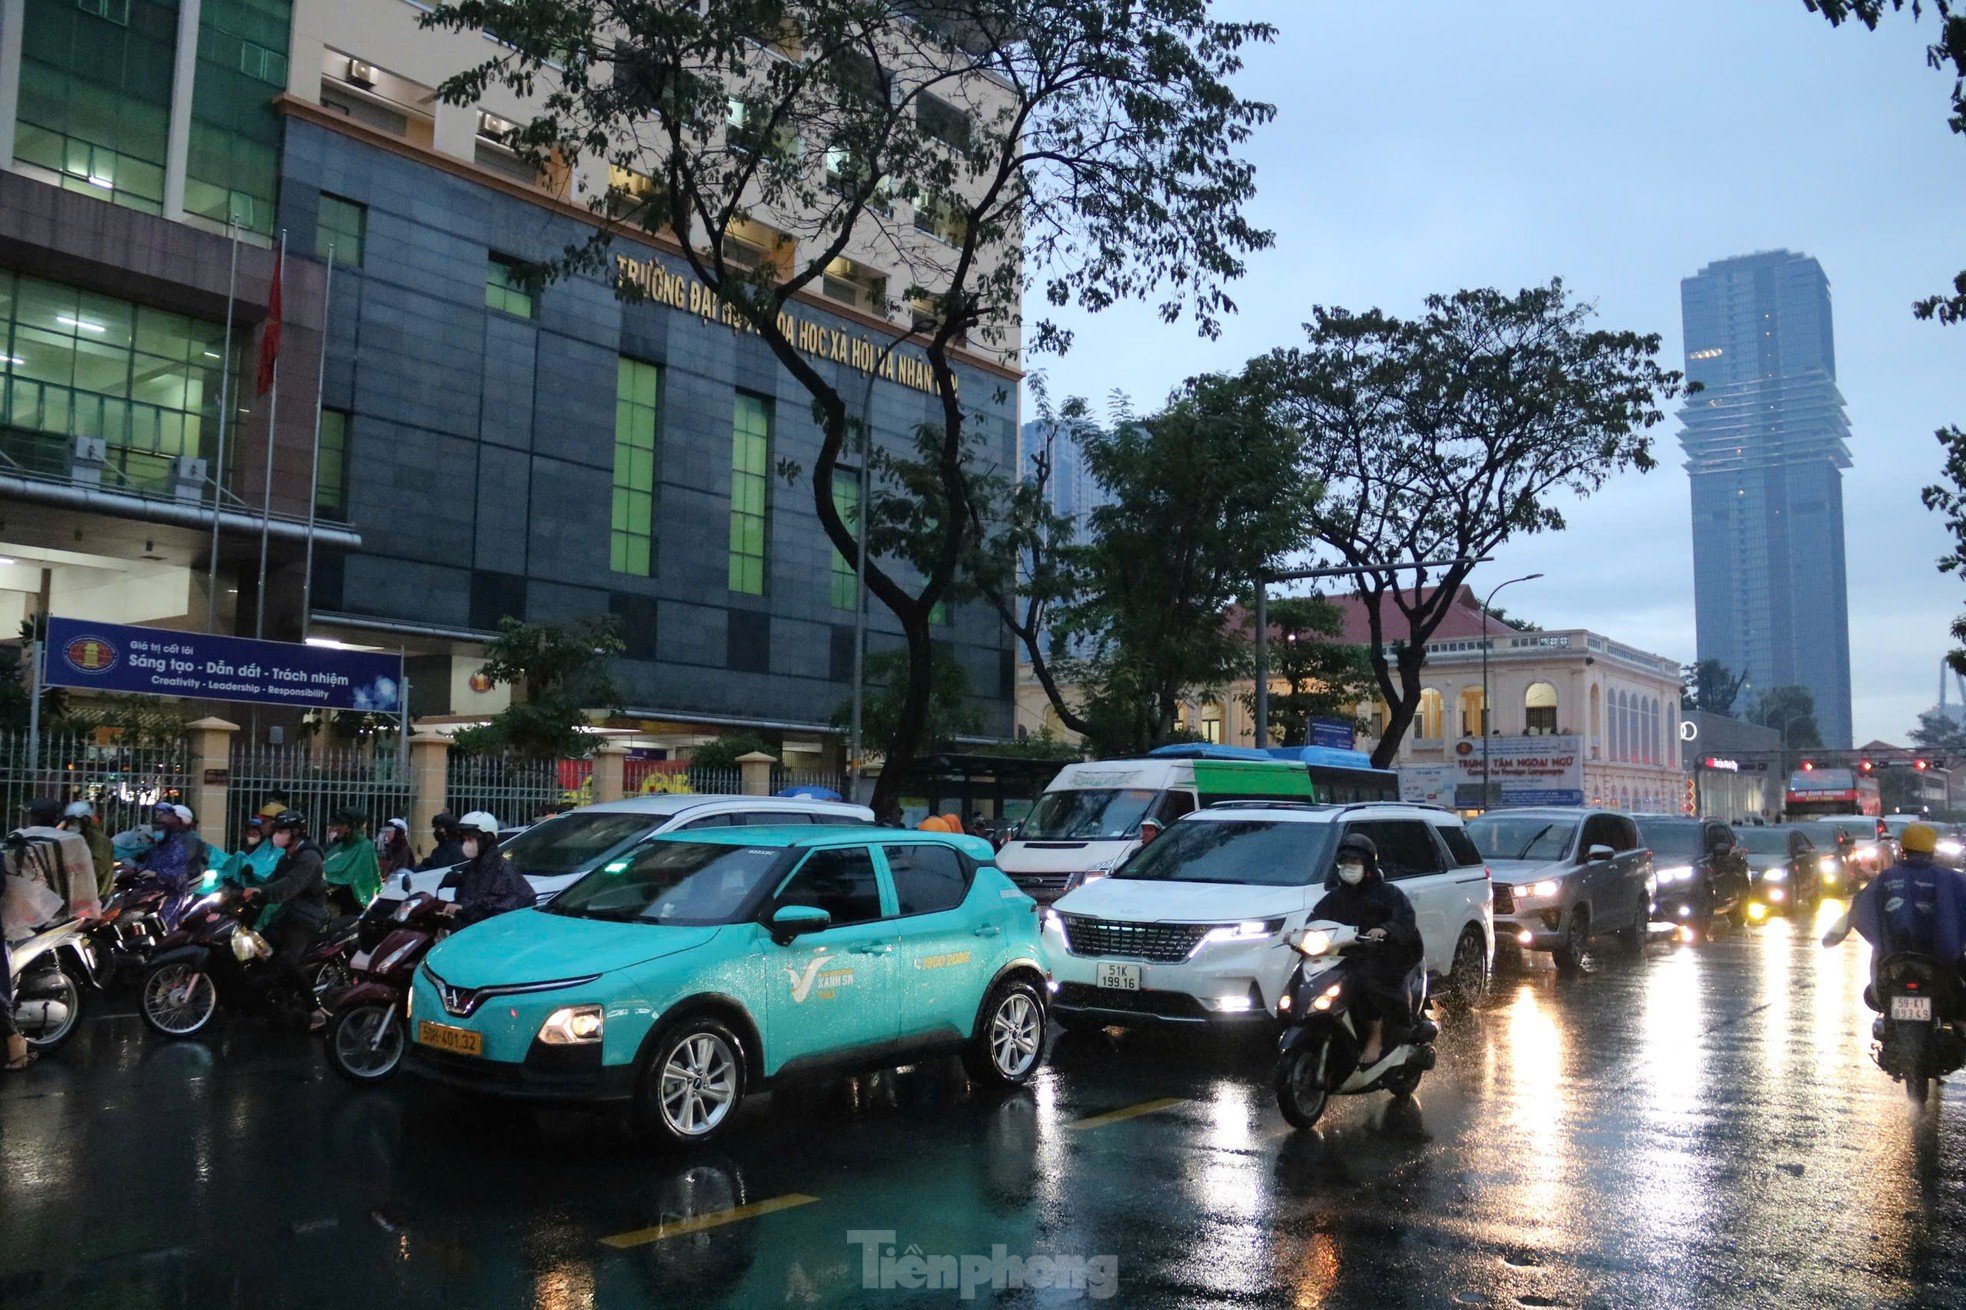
1701	870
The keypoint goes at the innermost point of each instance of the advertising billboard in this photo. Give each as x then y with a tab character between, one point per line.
1542	770
115	657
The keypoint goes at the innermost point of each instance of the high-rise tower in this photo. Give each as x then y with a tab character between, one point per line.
1766	443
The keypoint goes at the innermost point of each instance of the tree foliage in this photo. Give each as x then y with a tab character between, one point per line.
557	672
1443	436
1790	710
950	713
721	753
1323	678
1712	688
1100	137
1941	733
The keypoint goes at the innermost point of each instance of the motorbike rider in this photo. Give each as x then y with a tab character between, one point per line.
392	849
298	890
178	857
448	850
487	883
80	818
253	862
349	863
1357	893
1916	905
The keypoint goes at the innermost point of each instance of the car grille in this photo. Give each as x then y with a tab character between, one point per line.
1166	943
1044	888
1504	898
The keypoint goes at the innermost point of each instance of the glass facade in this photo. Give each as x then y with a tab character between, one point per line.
331	482
750	493
505	290
233	170
342	226
846	499
77	364
637	414
95	96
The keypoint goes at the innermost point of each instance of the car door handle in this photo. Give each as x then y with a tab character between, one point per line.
874	948
989	930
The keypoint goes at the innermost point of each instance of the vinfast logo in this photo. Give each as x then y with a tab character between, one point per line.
91	654
802	982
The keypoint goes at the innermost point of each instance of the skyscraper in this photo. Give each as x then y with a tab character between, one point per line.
1766	443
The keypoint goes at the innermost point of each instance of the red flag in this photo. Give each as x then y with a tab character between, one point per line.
269	340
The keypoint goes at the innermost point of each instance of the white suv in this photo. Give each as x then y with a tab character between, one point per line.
1197	927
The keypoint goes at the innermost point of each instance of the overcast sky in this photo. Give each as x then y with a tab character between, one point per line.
1430	145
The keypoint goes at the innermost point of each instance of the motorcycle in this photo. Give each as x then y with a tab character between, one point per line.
1918	1030
216	957
50	971
139	913
367	1032
1317	1055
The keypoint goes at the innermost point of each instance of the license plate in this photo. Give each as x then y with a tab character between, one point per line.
1912	1009
458	1041
1121	977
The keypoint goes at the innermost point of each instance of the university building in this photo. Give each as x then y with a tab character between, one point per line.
485	451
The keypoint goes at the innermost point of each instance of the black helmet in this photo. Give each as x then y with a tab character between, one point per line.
444	822
290	821
347	818
44	811
1360	844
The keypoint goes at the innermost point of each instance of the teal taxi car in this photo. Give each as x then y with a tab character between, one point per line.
702	965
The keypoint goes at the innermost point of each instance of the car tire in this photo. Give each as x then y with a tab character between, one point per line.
1468	976
692	1082
1572	953
1633	938
1008	1044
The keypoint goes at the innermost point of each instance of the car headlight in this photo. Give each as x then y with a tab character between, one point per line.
1314	942
1548	887
1249	930
1775	875
572	1025
1951	847
1051	919
1675	873
1827	864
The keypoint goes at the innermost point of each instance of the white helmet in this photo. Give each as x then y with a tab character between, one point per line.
479	821
79	810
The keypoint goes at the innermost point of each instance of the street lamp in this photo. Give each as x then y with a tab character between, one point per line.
1487	794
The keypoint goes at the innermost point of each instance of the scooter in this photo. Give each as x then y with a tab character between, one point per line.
1918	1030
51	971
367	1032
1318	1053
215	957
138	914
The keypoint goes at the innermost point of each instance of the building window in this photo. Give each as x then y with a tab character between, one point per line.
77	364
233	169
940	218
1211	722
856	285
750	493
341	227
1474	716
636	198
637	413
331	470
943	121
1539	709
95	99
846	499
1433	714
506	289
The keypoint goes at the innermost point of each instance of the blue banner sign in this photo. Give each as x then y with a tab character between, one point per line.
1335	733
115	657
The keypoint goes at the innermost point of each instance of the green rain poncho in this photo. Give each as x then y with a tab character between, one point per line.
351	863
250	868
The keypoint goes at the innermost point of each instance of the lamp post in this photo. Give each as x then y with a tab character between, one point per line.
1487	793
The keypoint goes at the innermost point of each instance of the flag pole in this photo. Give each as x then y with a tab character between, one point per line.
224	414
314	478
272	426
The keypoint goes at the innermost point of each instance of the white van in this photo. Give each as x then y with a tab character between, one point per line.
1088	820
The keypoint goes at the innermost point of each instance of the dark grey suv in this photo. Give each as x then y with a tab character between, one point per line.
1565	876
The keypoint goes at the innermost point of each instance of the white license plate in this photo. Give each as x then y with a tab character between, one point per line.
1912	1009
1121	977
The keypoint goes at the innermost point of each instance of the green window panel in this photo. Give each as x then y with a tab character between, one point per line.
95	96
331	482
637	417
342	227
750	493
505	290
846	499
233	168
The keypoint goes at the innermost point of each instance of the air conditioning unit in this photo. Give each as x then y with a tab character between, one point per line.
188	478
361	74
86	465
494	128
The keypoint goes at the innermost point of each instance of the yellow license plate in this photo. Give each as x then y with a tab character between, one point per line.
459	1041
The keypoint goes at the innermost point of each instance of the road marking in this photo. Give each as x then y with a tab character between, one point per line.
715	1219
1130	1112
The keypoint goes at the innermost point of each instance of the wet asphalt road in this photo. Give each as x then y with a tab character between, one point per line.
1702	1127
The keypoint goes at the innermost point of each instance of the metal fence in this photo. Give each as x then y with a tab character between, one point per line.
515	791
317	780
122	781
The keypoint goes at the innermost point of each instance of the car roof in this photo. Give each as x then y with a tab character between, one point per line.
807	836
1300	812
1554	811
668	805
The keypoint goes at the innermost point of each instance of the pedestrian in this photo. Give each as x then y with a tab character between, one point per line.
448	850
393	854
298	890
486	883
80	818
349	863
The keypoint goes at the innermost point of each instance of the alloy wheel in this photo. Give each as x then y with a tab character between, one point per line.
698	1085
362	1048
1016	1031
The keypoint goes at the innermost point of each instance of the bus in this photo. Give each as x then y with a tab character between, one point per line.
1342	777
1816	792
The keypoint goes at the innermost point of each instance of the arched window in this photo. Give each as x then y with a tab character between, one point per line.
1539	709
1597	743
1473	721
1654	753
1211	722
1617	745
1433	714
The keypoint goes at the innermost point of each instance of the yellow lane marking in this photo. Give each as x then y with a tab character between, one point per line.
1130	1112
716	1219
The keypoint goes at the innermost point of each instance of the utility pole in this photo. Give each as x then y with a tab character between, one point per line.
1487	784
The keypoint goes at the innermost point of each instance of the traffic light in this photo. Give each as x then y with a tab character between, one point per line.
1808	766
1920	765
1865	766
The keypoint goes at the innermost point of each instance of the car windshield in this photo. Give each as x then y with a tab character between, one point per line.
574	842
1522	836
1093	815
1253	852
672	882
1674	840
1764	841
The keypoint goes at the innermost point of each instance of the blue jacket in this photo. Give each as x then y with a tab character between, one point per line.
1915	905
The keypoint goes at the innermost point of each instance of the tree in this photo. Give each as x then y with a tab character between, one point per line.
1941	734
1441	437
1712	688
1323	678
1099	137
721	753
1204	495
950	713
557	672
1791	710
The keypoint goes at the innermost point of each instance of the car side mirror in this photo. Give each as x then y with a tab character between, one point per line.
791	921
1599	854
405	883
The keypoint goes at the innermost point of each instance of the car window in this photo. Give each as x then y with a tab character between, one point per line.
1507	836
572	843
711	821
672	881
1459	845
926	878
756	818
1799	844
1173	805
1405	849
1096	814
1239	851
839	881
1672	838
1597	832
